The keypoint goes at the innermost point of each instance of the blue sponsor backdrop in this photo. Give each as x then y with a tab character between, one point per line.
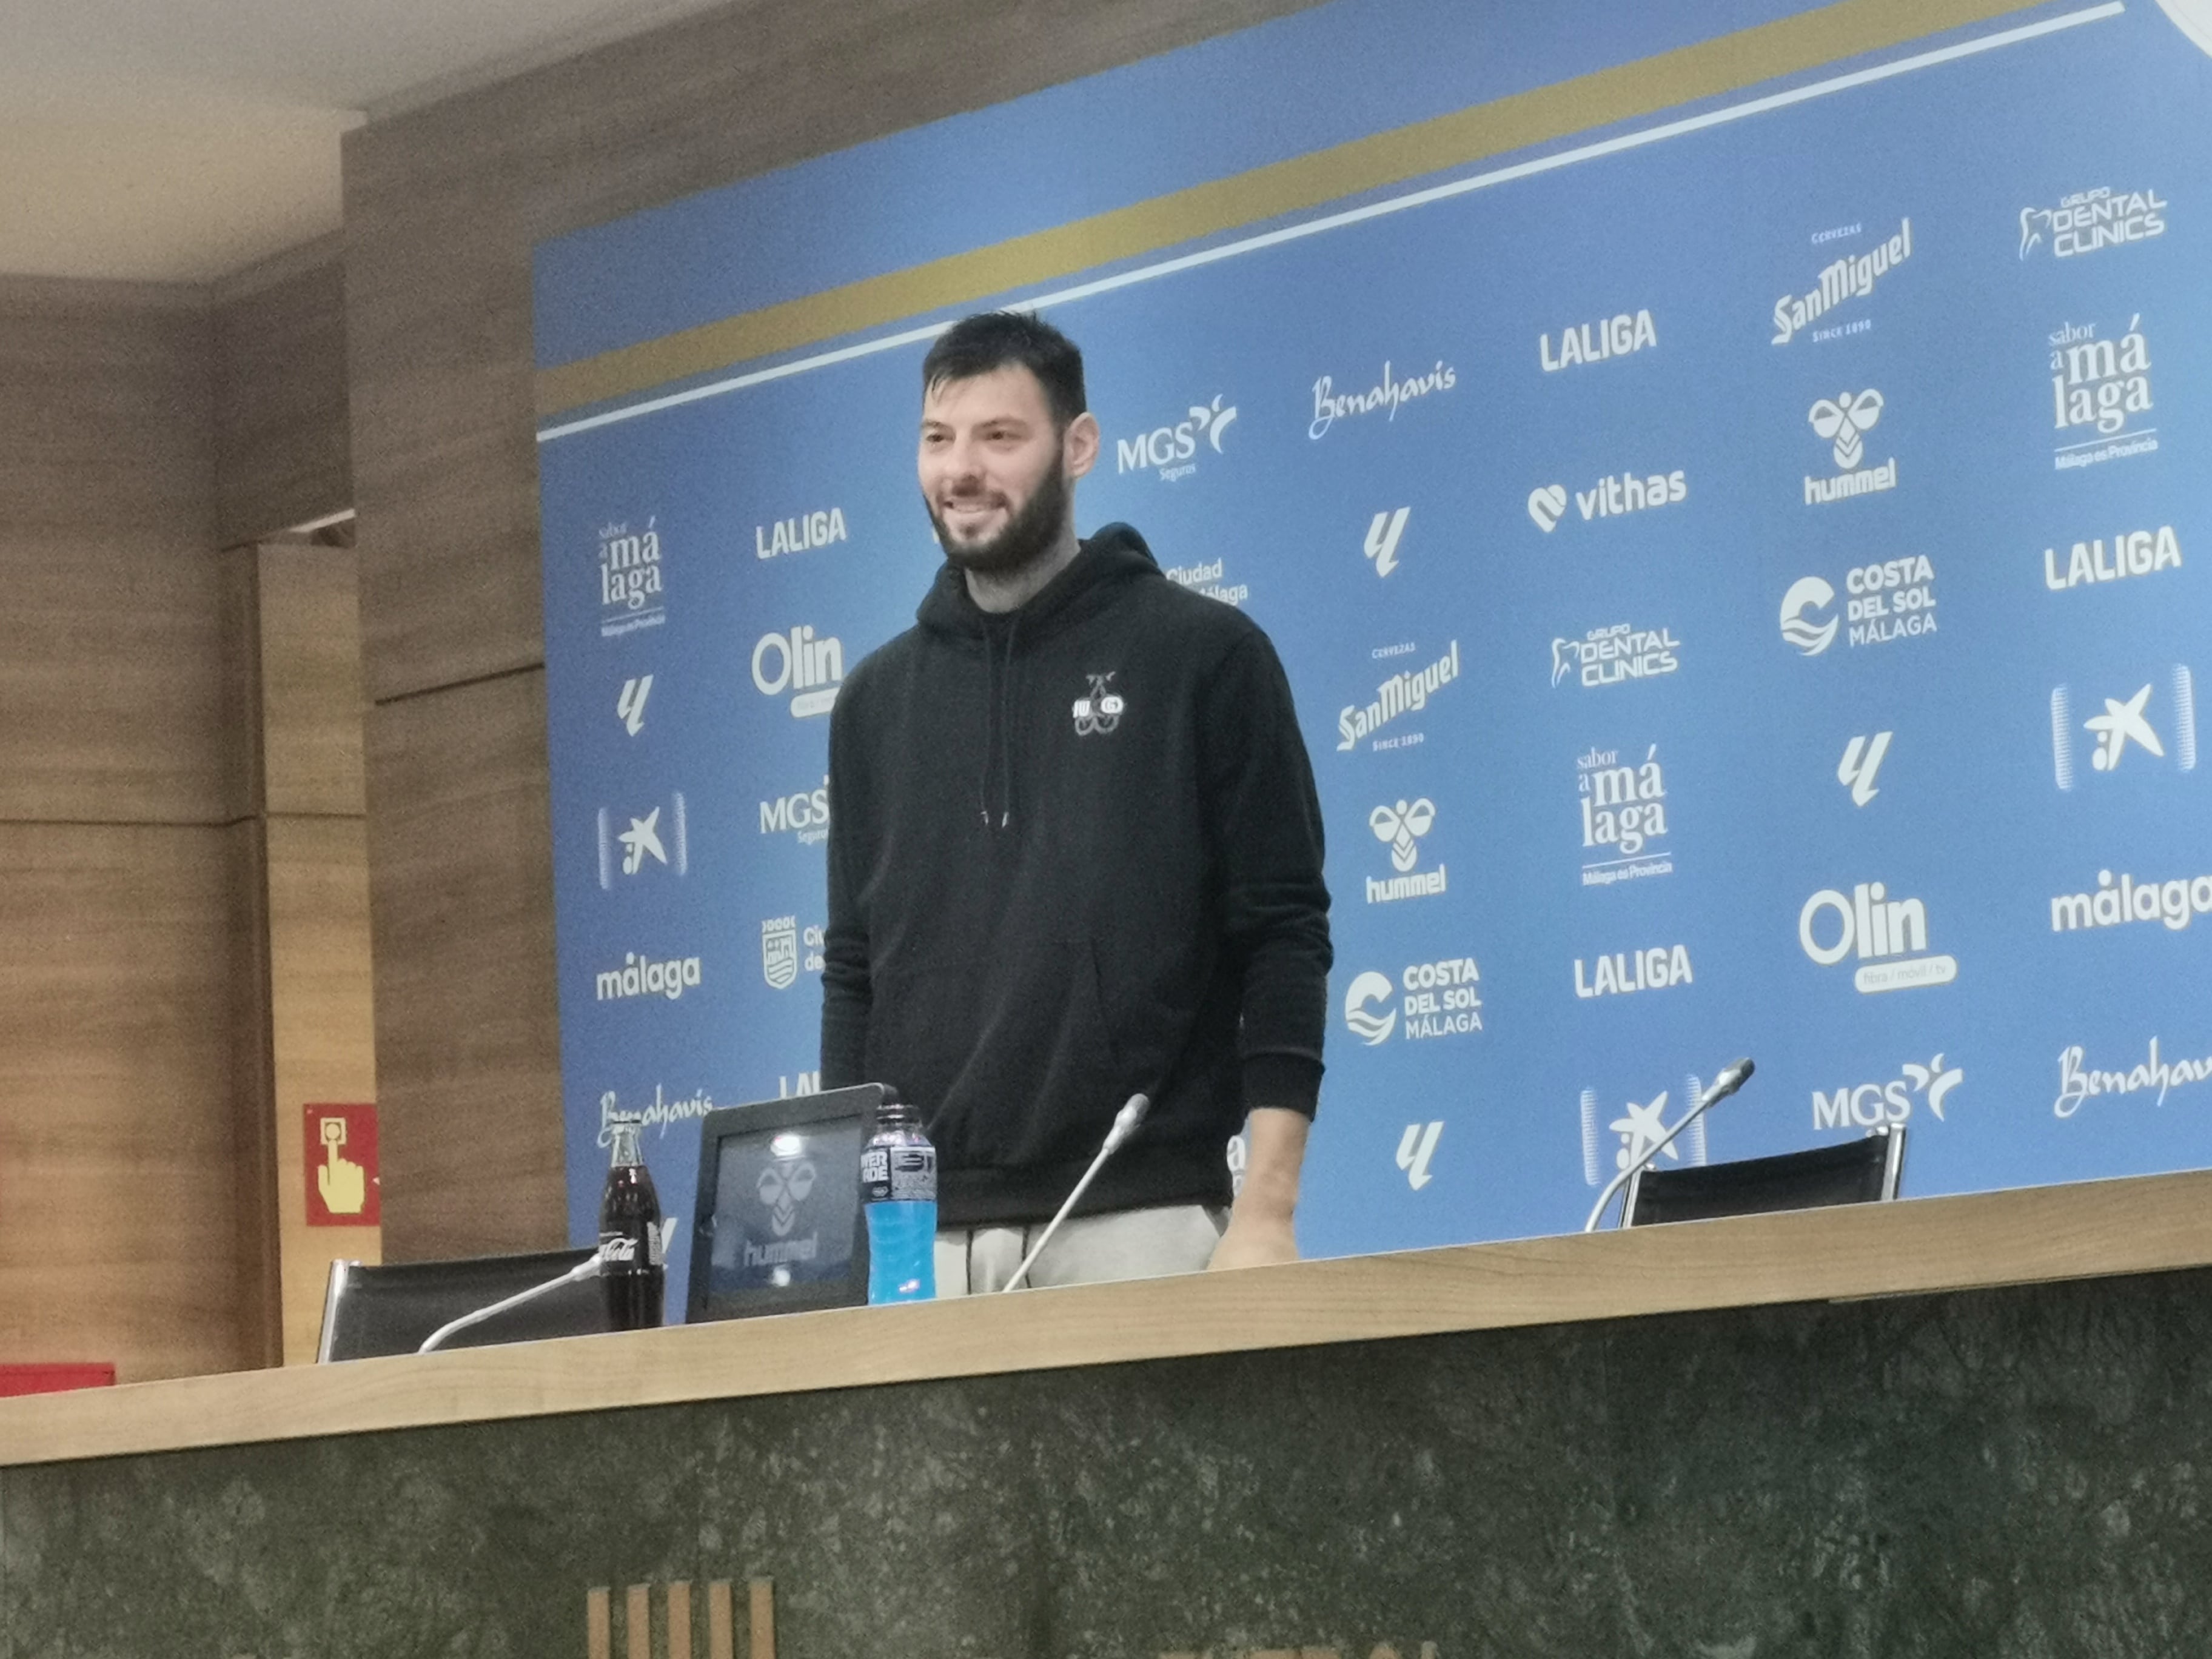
1783	677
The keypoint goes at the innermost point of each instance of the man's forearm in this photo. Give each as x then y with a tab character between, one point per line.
1261	1223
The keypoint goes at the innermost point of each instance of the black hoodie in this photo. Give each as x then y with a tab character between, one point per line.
1075	853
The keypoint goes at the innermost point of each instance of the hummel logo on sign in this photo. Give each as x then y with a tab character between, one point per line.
1097	715
1862	759
1382	539
1403	826
1547	505
1844	420
629	707
1415	1147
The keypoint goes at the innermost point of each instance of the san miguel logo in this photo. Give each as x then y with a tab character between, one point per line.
1852	277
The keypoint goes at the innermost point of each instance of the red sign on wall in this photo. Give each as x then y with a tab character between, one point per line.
342	1182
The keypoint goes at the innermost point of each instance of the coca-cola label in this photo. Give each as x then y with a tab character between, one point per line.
622	1249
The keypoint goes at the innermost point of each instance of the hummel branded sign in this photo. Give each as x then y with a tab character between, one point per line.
1844	422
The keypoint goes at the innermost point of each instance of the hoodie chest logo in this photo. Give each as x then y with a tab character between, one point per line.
1100	712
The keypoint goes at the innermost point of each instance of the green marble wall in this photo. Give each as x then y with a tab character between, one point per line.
2019	1472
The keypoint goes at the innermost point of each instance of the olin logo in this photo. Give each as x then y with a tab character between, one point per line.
1382	539
1415	1148
1889	936
798	662
1861	761
2125	724
629	705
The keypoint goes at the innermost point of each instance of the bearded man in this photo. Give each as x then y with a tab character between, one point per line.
1075	854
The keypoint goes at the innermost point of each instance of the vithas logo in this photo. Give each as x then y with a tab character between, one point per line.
2124	725
1382	539
812	669
1888	936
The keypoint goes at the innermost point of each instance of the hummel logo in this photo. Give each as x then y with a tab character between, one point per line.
1382	539
629	707
1844	420
1403	826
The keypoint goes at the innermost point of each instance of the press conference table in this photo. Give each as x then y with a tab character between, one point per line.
1774	1425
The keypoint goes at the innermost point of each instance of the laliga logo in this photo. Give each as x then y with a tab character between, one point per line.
1844	420
784	1185
1807	593
1403	826
1369	1026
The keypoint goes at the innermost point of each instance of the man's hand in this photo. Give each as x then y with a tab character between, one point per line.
1260	1231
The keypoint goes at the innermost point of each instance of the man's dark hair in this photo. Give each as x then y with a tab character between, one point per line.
992	340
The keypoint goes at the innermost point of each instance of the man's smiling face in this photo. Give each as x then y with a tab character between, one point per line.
993	468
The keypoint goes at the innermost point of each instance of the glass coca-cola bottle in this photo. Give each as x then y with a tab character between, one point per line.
633	1272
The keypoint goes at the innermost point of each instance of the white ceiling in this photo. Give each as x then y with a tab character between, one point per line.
182	141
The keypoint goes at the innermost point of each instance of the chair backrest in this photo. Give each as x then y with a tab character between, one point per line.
393	1309
1863	1171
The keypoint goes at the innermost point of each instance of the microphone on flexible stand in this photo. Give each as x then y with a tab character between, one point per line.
1125	1125
590	1267
1731	1079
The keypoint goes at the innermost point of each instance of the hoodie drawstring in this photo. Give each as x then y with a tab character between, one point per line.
998	741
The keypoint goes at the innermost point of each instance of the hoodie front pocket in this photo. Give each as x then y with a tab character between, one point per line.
1009	1057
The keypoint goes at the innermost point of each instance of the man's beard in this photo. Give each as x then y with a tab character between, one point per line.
1028	534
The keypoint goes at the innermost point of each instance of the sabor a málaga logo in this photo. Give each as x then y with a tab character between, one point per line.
2100	392
1624	817
631	594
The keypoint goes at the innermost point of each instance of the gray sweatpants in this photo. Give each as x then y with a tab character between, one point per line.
1177	1238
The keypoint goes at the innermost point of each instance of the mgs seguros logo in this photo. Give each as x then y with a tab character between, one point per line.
1872	1105
1624	817
1173	450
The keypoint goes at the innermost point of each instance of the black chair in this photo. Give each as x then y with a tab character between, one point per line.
393	1309
1864	1171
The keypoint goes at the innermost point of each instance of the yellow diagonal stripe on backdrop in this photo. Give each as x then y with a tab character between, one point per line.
1726	63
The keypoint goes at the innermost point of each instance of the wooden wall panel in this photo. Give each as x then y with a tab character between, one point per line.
468	1045
106	396
112	666
116	1137
322	1035
442	207
311	704
283	449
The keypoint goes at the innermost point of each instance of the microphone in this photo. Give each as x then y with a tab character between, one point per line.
590	1267
1732	1077
1126	1122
